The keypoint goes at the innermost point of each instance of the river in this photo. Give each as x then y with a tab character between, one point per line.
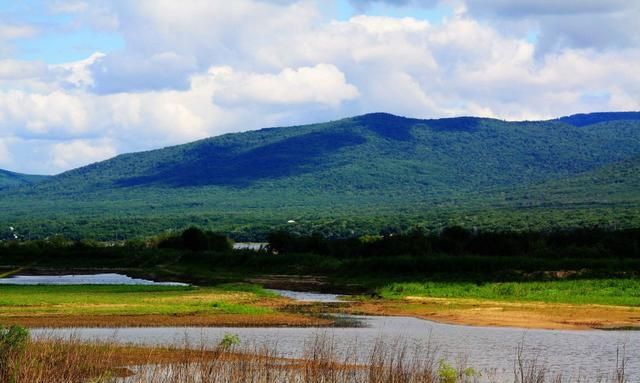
573	353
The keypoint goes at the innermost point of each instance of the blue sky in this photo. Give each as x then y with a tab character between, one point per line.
57	39
346	10
84	80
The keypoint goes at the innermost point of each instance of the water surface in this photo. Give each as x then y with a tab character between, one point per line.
309	296
88	279
575	353
250	245
490	349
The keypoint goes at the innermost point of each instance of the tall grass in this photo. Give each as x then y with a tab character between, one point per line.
70	361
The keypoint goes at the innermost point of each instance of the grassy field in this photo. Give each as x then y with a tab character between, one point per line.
558	304
122	306
579	304
622	292
129	300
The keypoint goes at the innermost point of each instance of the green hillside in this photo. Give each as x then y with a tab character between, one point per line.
360	174
10	179
611	185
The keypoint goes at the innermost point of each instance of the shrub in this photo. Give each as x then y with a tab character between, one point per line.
229	341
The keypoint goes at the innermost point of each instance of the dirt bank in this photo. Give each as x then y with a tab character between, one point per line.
532	315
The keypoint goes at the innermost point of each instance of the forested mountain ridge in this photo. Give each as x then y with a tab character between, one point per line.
11	179
376	165
615	184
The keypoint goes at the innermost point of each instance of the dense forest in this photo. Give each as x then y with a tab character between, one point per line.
452	252
355	176
11	179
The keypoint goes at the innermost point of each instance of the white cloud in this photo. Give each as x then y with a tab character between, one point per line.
43	115
78	73
5	155
9	31
322	84
75	153
122	73
19	70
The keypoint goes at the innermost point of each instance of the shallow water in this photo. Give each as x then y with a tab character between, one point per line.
89	279
574	353
250	245
309	297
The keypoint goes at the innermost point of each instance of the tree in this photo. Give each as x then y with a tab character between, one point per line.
195	239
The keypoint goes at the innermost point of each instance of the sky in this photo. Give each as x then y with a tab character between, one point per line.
83	81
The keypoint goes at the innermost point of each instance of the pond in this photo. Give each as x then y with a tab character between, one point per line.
85	279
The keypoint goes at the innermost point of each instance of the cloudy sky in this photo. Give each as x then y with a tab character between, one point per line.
82	81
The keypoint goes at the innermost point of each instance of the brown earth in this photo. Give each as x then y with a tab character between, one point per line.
157	320
470	312
474	312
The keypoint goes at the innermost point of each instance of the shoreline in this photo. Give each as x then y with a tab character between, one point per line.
463	312
487	313
160	320
291	313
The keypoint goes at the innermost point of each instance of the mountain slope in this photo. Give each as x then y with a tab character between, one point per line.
616	184
595	118
11	179
458	153
361	169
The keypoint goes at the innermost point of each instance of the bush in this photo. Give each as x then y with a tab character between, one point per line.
195	239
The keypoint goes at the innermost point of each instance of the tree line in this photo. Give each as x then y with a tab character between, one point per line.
575	243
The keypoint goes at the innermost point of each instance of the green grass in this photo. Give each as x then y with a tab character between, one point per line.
129	300
257	290
624	292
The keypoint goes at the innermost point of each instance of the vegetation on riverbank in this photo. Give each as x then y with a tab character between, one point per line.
560	269
119	305
619	292
453	252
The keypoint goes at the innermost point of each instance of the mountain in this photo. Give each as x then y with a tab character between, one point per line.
616	184
358	174
594	118
10	179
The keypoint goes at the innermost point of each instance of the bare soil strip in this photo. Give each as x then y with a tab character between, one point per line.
160	320
531	315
